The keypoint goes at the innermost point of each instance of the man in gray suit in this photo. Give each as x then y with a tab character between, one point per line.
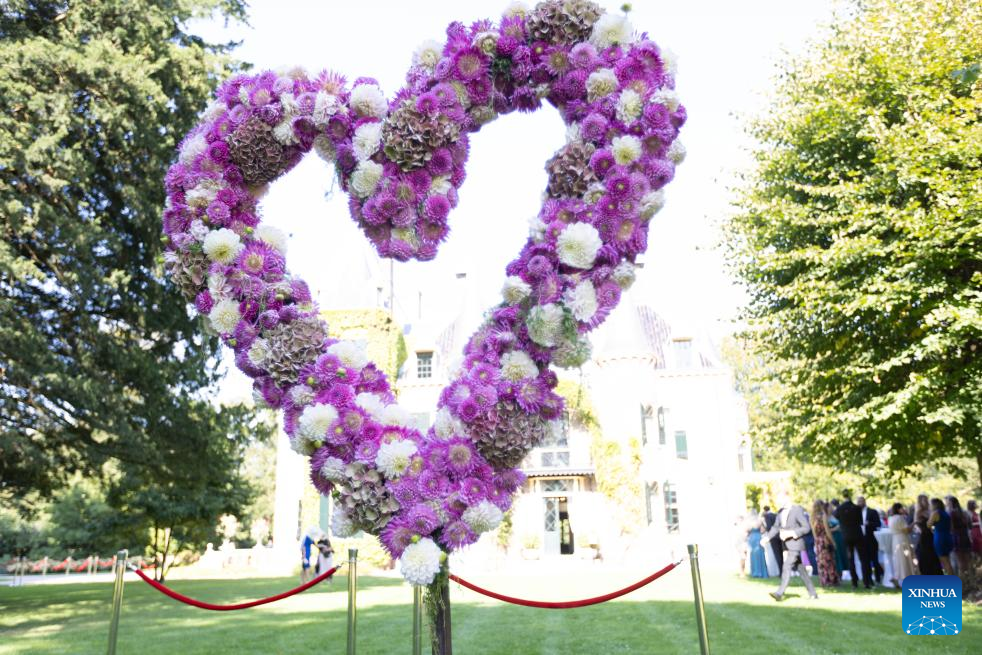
791	526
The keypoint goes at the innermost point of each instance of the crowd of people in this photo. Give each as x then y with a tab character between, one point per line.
834	539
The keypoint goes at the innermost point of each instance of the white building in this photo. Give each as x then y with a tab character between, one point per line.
662	387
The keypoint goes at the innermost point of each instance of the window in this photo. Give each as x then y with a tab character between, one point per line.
681	445
424	364
556	485
554	458
650	500
662	421
671	508
683	352
645	417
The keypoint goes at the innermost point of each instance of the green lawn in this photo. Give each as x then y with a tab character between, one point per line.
658	619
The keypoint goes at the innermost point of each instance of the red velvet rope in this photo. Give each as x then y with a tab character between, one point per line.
167	591
563	605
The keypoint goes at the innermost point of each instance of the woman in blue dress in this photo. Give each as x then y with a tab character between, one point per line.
943	542
758	562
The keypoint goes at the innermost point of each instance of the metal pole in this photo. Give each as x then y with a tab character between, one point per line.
697	592
417	619
120	566
352	598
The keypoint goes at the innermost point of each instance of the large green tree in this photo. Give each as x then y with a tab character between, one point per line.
102	369
859	238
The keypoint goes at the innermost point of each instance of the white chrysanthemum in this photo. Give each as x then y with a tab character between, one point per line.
537	228
284	132
326	105
582	300
371	403
341	525
368	100
202	193
258	352
517	365
486	42
222	245
545	324
224	316
301	395
365	178
482	517
628	106
367	138
611	29
350	353
333	469
601	83
272	236
214	109
667	97
578	245
670	60
516	8
440	185
652	203
420	562
515	290
624	274
394	457
192	148
676	152
445	425
427	54
395	415
315	421
325	148
625	149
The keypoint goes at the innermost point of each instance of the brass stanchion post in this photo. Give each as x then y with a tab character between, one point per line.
120	568
697	593
417	620
352	598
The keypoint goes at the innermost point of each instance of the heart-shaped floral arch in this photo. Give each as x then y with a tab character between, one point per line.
402	163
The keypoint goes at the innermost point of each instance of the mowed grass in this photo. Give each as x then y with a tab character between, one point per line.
74	618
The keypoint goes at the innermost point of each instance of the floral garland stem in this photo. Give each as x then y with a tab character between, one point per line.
436	603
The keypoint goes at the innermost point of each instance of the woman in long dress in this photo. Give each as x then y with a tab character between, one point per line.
975	534
841	563
960	526
903	563
940	521
770	559
758	561
828	574
927	559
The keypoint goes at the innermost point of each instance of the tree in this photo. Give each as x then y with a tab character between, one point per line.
102	368
859	238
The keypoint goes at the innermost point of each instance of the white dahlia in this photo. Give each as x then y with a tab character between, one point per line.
676	152
368	100
611	29
515	290
624	275
420	562
582	301
482	517
224	316
667	97
315	421
545	324
258	352
428	54
395	415
341	525
625	149
365	178
601	83
366	141
578	245
222	245
272	236
350	353
517	365
628	106
333	469
394	457
652	203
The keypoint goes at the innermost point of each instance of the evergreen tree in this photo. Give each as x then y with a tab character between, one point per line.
102	370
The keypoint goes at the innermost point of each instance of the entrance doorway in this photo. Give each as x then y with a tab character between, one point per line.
558	535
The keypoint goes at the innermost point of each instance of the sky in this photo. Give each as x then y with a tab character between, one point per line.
727	53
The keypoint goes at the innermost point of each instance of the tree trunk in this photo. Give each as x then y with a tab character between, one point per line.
437	604
978	460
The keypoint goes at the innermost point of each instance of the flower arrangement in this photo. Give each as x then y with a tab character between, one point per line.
402	162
